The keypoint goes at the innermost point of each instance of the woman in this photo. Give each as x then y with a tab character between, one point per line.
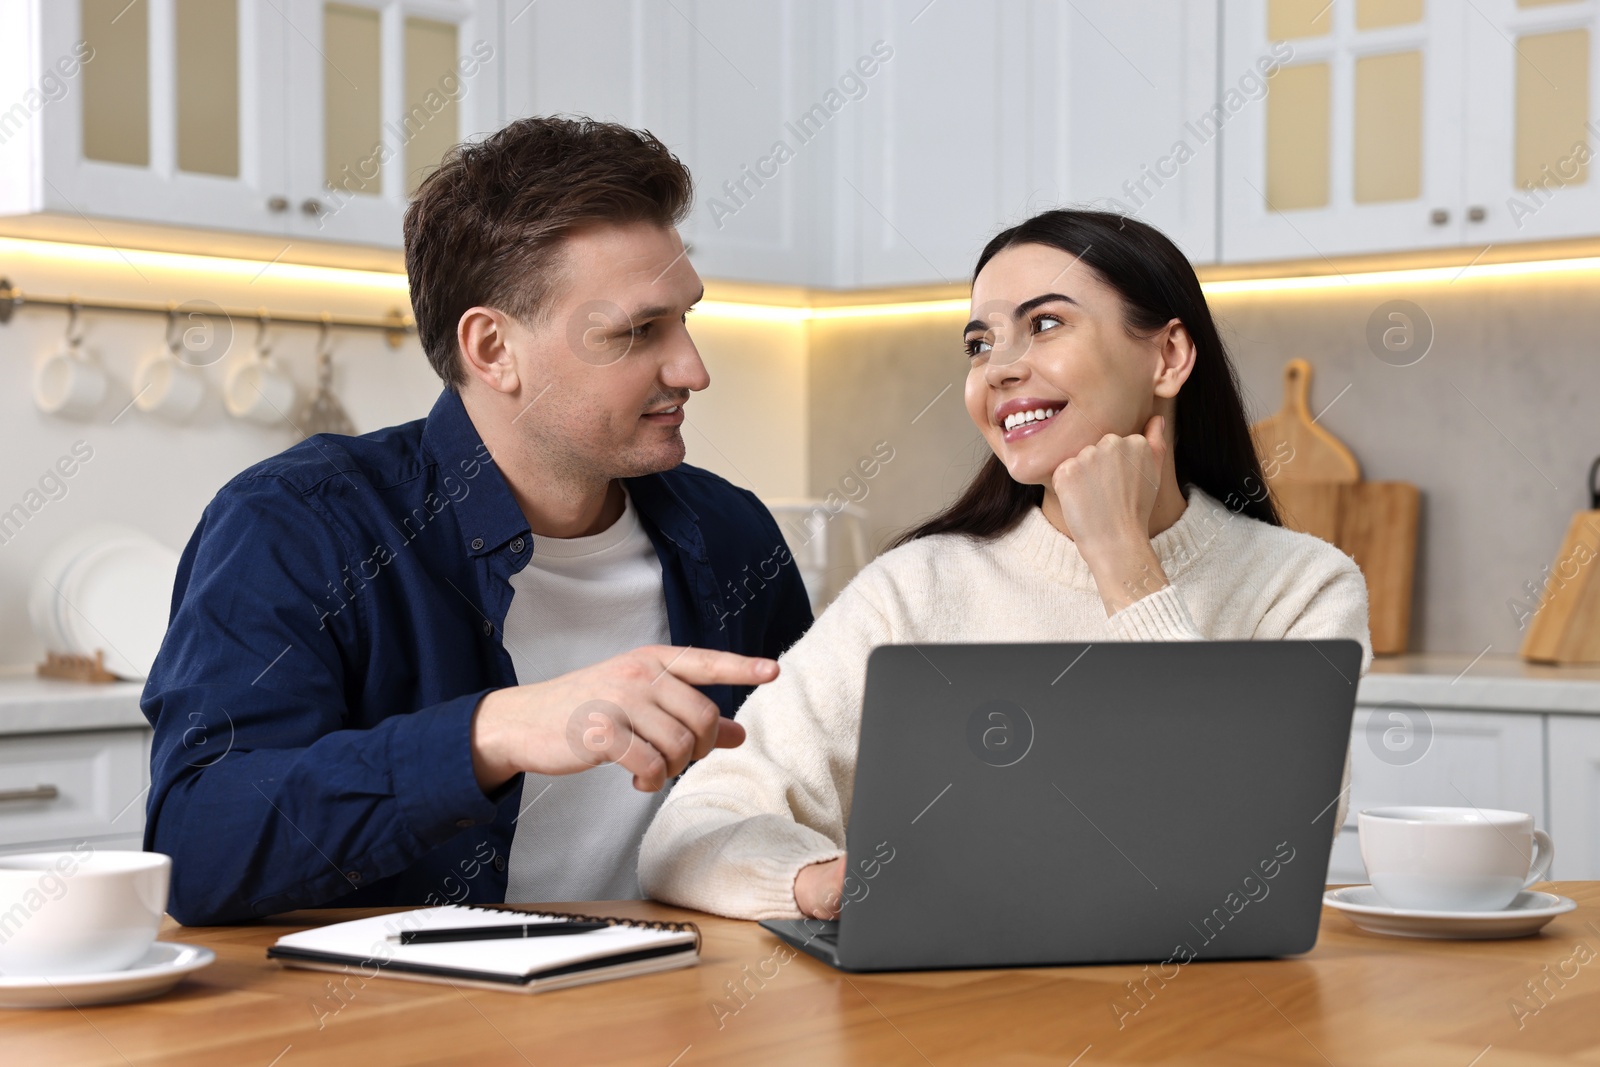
1123	501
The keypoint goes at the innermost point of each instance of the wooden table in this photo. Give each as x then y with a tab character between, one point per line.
1356	999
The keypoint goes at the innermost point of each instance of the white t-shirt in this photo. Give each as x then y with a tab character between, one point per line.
578	601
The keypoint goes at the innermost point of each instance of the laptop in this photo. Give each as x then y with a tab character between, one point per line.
1050	804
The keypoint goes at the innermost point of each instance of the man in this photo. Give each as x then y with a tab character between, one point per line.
391	656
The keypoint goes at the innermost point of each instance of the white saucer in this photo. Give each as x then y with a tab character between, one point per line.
157	971
1525	915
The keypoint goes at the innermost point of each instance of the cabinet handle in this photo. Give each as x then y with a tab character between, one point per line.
311	206
38	792
1476	213
278	204
1439	217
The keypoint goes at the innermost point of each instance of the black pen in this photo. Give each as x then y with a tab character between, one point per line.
482	933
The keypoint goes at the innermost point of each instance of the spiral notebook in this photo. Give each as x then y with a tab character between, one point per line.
371	947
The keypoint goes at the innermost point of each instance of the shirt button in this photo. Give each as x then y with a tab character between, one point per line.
477	543
354	876
488	628
464	823
516	545
499	863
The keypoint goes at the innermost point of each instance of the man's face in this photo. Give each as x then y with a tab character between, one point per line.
606	369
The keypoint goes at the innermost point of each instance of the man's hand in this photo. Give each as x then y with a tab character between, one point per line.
639	709
819	889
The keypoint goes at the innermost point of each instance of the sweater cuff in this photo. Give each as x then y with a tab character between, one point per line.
775	875
1158	616
431	753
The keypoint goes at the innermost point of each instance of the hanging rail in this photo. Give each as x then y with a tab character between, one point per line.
395	325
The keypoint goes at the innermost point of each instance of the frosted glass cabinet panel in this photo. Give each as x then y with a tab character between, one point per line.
207	69
116	88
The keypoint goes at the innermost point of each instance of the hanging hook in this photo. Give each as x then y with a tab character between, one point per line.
263	322
74	326
174	333
324	336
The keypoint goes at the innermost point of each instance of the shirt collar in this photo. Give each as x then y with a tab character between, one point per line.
489	513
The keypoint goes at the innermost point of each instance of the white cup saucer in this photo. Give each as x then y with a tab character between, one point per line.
1526	914
158	970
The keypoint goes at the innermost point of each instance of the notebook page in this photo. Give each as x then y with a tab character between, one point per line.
364	939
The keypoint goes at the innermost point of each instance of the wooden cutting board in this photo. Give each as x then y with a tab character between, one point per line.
1374	523
1565	628
1316	486
1295	449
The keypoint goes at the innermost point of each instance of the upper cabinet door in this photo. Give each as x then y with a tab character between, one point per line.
1532	101
949	142
379	90
176	115
1133	125
1357	144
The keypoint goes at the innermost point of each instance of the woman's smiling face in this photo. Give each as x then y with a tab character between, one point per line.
1048	335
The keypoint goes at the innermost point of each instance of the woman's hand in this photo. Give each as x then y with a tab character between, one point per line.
1106	493
819	889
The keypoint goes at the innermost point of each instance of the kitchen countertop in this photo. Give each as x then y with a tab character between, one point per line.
30	705
1487	683
33	705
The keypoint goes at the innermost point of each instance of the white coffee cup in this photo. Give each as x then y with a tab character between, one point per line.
68	382
1452	859
258	390
79	912
166	386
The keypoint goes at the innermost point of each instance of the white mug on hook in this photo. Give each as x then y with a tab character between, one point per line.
257	388
68	382
166	386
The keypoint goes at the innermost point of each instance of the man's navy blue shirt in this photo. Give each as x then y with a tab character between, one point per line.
336	619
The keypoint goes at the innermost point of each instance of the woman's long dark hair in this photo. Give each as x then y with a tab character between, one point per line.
1213	446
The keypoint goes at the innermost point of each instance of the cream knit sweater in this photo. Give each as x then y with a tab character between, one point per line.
740	824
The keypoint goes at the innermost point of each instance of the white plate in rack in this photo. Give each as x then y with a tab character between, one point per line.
107	587
1525	915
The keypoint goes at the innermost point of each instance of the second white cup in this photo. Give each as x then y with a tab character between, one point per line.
1452	859
68	382
257	389
166	386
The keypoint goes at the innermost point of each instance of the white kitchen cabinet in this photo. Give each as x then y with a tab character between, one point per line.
1474	759
1532	102
1408	124
989	113
849	143
169	111
1575	794
731	88
59	788
294	117
1357	144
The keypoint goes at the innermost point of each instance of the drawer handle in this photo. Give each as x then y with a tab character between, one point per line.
38	792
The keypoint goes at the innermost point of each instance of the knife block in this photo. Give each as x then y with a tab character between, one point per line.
1565	628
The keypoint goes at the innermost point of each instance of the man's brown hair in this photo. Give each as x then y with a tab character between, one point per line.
485	229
